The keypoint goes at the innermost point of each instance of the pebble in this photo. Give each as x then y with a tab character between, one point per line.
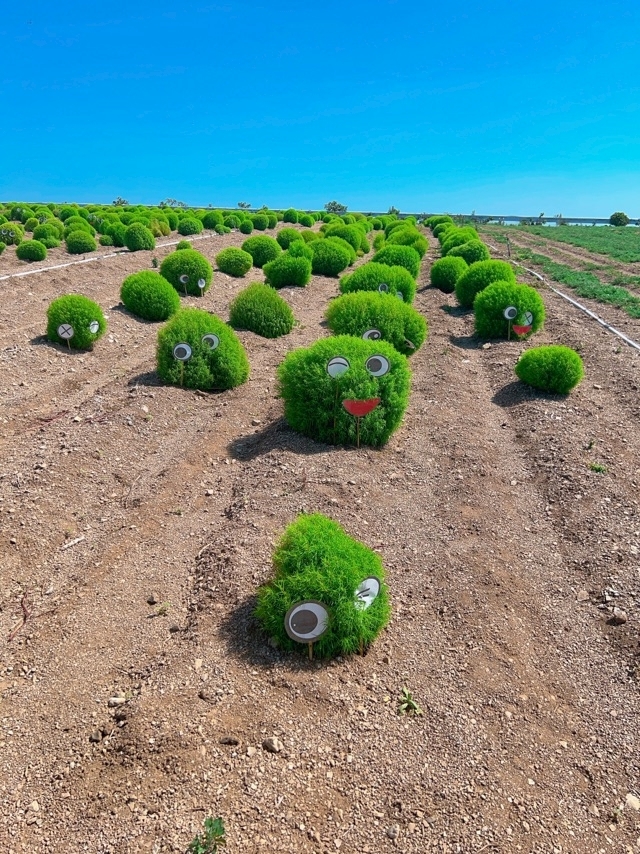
34	806
96	736
230	739
632	801
618	617
593	809
112	702
173	628
152	599
256	422
393	831
486	346
582	596
272	744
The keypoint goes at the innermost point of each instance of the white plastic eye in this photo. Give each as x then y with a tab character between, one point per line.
94	326
306	621
211	341
184	278
182	352
202	284
528	318
377	365
383	287
510	312
399	295
372	335
337	366
366	592
65	331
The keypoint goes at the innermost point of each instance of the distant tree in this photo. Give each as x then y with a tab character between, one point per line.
619	218
393	211
335	207
172	203
120	202
244	205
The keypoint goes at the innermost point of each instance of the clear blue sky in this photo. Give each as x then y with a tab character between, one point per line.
518	107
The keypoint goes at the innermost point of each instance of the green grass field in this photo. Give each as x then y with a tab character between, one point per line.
623	244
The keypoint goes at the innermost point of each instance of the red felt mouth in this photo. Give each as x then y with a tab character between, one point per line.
521	330
358	408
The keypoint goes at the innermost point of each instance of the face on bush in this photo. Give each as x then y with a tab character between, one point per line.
186	269
374	317
197	350
75	321
345	390
382	279
522	303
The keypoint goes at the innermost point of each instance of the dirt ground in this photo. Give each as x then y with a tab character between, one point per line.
509	525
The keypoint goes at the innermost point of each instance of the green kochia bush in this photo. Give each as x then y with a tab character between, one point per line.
408	237
183	244
287	235
290	216
288	271
138	237
234	262
79	242
552	368
190	225
456	237
262	249
330	257
79	312
317	561
378	316
490	303
31	250
445	272
261	310
325	384
11	234
438	219
480	276
217	361
300	249
472	252
149	295
399	256
370	276
260	221
246	226
189	263
211	219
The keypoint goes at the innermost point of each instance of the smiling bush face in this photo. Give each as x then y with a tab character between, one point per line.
331	385
367	314
197	350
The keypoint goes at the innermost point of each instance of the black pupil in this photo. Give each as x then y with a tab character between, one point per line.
181	352
374	365
304	622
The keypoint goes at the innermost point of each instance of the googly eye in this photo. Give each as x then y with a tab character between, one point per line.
306	621
366	592
202	284
528	318
337	366
399	295
383	287
372	335
65	331
510	312
377	366
211	341
94	326
182	352
184	279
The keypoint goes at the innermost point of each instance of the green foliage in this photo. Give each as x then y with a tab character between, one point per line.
46	231
313	399
286	236
300	249
623	244
190	225
78	223
80	312
31	223
273	219
436	220
445	272
335	208
351	233
306	220
619	218
149	295
440	230
290	215
287	271
260	221
105	240
234	262
329	257
11	233
3	246
211	219
554	368
207	369
399	256
262	249
309	236
172	219
407	705
189	263
491	302
370	276
211	838
480	276
138	237
246	226
408	236
456	237
79	242
379	240
383	316
316	560
472	251
31	250
260	309
232	221
183	244
159	228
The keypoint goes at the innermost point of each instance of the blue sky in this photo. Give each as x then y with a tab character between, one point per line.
501	108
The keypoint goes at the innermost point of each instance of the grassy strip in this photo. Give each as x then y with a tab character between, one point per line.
623	244
585	284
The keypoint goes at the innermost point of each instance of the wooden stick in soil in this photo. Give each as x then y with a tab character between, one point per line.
311	651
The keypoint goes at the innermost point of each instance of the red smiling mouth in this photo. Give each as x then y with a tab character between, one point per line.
521	330
359	408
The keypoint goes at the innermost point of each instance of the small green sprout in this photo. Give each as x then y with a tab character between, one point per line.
407	705
597	467
210	839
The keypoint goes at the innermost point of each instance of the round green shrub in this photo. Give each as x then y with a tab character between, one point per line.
317	561
329	257
399	256
149	295
260	309
306	220
490	303
190	225
3	246
190	264
138	236
211	219
378	316
234	262
78	223
379	241
262	249
340	241
222	229
300	249
286	236
79	242
479	276
11	233
619	218
287	271
232	221
315	401
46	231
172	219
351	233
364	245
31	223
445	272
116	230
552	368
208	368
370	276
246	226
31	250
79	312
159	228
456	237
273	220
183	244
308	236
472	252
441	229
290	216
105	240
260	222
409	237
438	219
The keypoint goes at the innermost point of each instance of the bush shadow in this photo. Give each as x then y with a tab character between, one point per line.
276	436
149	378
456	310
518	392
466	342
43	341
